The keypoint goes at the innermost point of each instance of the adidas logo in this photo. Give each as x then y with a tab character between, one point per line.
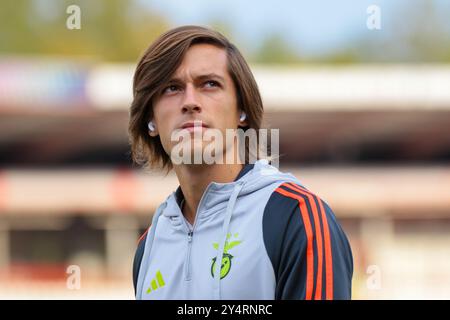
157	282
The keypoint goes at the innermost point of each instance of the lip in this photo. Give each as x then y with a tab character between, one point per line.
194	124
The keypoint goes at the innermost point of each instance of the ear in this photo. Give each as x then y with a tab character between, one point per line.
243	119
152	129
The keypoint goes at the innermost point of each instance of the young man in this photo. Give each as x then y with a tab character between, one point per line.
274	238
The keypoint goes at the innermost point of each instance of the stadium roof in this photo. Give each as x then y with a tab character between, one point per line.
63	85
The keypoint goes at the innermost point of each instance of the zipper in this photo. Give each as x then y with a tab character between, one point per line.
190	235
187	269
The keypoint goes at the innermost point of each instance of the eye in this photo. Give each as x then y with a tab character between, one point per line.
170	89
211	84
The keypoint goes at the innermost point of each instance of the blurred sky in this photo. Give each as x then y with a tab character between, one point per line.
312	27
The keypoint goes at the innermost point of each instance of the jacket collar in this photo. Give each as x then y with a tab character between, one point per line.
179	193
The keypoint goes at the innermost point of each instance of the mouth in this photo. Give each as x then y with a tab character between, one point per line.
192	125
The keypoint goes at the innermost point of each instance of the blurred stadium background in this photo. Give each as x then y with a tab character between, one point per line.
364	119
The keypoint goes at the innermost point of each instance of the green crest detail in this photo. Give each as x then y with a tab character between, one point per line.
226	259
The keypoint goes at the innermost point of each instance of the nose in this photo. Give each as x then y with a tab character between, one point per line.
191	102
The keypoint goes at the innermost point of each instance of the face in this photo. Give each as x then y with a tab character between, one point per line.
200	90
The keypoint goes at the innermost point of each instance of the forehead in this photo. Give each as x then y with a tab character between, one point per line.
203	59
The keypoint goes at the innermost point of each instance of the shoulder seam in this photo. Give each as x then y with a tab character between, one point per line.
143	235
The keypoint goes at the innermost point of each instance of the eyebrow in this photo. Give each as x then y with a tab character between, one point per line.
202	77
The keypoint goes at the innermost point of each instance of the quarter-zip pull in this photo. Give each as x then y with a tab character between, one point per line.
188	257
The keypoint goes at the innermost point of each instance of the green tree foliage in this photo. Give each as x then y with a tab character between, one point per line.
112	30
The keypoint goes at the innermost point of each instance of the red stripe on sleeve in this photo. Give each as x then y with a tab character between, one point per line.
327	240
309	240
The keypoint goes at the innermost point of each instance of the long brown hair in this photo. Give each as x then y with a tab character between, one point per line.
155	68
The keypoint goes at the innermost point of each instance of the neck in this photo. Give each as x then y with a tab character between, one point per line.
194	179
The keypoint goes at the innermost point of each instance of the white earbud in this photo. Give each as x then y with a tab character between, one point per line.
243	116
151	126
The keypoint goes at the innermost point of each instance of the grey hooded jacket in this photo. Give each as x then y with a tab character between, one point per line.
275	240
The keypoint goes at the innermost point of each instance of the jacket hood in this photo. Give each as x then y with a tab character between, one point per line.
251	179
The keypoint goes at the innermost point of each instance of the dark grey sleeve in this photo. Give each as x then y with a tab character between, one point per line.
137	260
